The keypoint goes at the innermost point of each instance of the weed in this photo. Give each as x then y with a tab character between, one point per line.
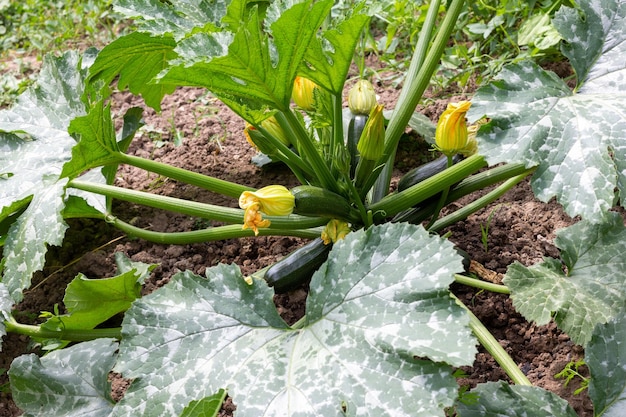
484	229
570	372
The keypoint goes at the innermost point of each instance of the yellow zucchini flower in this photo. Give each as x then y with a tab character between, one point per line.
302	93
273	200
252	219
372	141
451	135
335	230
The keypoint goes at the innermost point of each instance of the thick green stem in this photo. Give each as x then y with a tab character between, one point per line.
306	146
469	185
209	234
483	285
395	203
476	205
13	326
492	346
419	55
192	208
216	185
416	88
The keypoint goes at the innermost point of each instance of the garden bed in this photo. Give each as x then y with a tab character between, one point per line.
515	228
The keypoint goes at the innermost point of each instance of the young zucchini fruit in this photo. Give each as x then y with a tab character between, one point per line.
355	129
297	267
424	210
425	171
319	202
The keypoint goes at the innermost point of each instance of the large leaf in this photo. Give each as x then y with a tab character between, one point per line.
576	138
136	58
65	383
606	357
499	399
378	311
173	18
592	290
259	69
32	156
329	58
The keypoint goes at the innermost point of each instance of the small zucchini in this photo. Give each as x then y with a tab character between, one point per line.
319	202
297	267
427	170
355	129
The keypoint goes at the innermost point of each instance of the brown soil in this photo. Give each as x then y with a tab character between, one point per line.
520	229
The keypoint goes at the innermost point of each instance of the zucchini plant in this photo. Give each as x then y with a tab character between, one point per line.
382	332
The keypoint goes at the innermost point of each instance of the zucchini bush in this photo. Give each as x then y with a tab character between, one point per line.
382	332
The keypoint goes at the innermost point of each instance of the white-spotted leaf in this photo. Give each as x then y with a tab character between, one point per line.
380	324
65	383
576	138
606	357
499	399
592	290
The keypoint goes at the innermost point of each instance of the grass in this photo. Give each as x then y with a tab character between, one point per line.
31	28
489	36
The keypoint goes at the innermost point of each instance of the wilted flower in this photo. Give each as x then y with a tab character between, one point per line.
302	93
451	135
362	97
246	133
335	230
372	141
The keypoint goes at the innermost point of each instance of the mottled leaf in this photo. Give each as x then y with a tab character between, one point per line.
32	153
576	138
605	355
174	18
65	383
378	311
499	399
6	304
591	290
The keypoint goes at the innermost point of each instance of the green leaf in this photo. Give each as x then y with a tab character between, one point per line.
96	141
259	69
499	399
32	152
592	290
328	60
69	382
379	307
136	58
606	357
539	32
90	302
206	407
577	139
